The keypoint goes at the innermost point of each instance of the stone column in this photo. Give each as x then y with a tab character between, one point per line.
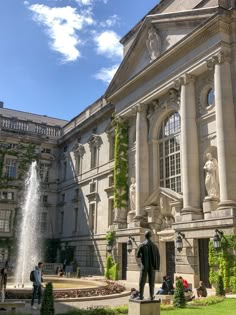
225	130
189	150
141	161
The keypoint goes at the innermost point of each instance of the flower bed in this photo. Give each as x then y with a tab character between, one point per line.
108	289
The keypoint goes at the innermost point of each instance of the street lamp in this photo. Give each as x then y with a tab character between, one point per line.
179	241
109	247
130	244
217	239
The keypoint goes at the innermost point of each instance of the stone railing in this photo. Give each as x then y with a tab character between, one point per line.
21	126
13	124
92	109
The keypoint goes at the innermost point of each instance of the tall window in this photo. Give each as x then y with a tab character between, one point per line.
43	222
64	170
10	170
111	147
93	156
90	257
78	164
76	219
62	222
5	218
169	152
92	216
110	211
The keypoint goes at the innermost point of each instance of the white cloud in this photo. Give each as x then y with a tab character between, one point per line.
89	2
111	21
84	2
108	45
63	24
106	74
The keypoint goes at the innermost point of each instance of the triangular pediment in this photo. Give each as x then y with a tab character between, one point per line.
158	34
154	198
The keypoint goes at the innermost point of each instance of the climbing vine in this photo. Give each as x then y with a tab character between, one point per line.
223	262
121	164
25	154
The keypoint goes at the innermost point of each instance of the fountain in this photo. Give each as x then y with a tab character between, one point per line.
29	247
29	253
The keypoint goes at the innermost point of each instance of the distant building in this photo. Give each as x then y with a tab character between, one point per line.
170	111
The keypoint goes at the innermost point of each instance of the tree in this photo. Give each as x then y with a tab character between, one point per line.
179	298
48	301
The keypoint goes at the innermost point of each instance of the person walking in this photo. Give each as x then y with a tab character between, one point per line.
3	283
37	285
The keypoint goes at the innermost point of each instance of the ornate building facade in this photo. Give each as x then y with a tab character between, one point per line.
157	152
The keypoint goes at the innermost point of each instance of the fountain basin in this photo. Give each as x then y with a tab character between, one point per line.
68	288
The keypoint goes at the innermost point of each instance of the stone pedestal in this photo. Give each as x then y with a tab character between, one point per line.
209	205
131	215
143	307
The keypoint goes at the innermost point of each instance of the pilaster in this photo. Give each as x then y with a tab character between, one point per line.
225	128
189	150
141	159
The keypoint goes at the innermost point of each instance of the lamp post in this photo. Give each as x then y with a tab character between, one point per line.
109	247
130	244
217	239
179	241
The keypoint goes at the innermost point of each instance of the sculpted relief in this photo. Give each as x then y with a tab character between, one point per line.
153	44
132	194
212	177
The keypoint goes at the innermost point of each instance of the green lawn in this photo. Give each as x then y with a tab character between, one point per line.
227	307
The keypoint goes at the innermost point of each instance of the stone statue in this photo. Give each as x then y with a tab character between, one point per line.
153	44
150	261
212	176
132	194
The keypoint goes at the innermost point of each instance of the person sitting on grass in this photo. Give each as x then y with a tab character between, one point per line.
167	286
201	290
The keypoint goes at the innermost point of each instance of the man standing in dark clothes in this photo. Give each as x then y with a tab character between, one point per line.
150	261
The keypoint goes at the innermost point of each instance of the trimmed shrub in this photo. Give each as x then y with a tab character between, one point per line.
179	298
220	286
48	301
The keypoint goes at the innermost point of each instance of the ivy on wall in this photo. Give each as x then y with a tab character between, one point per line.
121	164
223	262
25	155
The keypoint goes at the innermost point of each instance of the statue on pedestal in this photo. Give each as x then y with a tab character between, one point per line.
150	261
212	177
132	194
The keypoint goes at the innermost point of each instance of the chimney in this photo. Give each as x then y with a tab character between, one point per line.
1	104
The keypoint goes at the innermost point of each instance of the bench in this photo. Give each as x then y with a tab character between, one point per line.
11	306
168	299
164	298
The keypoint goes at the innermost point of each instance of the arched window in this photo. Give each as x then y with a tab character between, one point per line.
169	153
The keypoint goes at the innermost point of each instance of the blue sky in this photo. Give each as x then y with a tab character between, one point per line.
57	56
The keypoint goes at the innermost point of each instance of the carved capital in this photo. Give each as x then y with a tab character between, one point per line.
221	57
95	141
79	149
140	107
184	80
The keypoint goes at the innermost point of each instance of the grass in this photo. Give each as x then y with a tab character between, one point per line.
213	306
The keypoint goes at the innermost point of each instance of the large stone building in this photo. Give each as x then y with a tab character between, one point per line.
173	98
